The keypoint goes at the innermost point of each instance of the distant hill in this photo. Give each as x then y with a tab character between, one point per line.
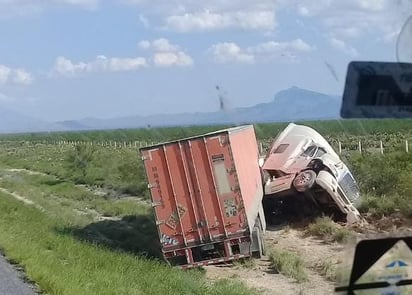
292	104
288	105
14	122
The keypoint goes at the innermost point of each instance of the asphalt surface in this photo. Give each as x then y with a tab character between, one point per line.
11	282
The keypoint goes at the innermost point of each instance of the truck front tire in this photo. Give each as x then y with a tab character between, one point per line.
304	180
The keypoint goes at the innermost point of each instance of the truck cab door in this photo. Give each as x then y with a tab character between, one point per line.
279	184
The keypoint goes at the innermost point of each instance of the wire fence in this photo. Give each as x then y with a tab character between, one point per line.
361	146
340	146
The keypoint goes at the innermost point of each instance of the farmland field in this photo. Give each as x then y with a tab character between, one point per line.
76	215
379	127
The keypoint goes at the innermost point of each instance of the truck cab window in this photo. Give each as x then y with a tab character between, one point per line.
310	151
320	152
281	148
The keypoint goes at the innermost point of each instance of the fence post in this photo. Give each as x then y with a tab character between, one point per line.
381	146
340	147
360	147
406	146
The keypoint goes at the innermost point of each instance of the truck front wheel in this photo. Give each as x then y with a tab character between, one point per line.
304	180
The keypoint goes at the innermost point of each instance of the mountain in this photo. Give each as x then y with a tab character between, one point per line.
14	122
298	104
292	104
288	105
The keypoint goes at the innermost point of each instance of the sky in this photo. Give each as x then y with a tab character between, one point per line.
74	59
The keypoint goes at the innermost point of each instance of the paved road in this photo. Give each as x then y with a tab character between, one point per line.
11	282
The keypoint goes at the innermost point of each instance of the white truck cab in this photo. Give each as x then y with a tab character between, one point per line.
300	160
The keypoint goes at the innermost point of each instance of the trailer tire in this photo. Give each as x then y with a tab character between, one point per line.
304	180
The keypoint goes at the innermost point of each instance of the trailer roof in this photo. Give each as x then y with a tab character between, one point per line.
226	130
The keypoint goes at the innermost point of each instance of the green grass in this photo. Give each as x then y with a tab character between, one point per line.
62	264
54	194
322	227
119	169
289	264
325	228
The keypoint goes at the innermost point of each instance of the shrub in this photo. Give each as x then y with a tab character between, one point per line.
289	264
325	228
80	158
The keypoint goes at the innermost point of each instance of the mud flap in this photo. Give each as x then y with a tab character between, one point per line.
256	245
262	219
258	242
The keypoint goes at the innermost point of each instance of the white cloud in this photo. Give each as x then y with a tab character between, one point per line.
4	74
278	47
82	3
144	44
65	66
342	46
166	54
355	18
163	45
13	8
101	63
126	64
15	75
166	59
192	16
21	76
208	20
229	52
302	10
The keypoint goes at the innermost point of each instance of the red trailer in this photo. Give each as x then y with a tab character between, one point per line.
207	196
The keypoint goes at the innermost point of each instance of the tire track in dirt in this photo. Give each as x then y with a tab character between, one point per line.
314	253
30	172
21	199
261	277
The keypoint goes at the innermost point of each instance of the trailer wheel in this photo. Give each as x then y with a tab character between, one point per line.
304	180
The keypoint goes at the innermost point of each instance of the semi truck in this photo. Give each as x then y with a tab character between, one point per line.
210	193
301	171
206	194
